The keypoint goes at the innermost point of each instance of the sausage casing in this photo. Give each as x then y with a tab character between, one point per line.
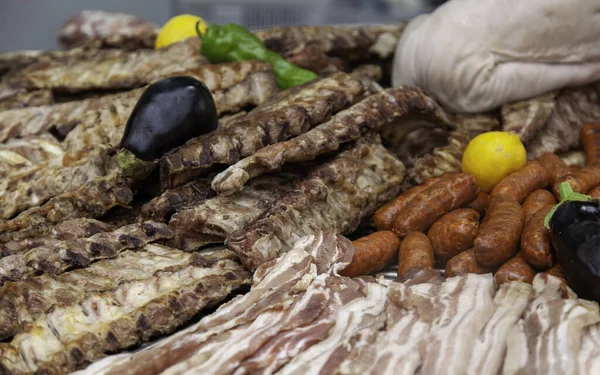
384	217
500	231
372	253
451	192
536	247
590	140
453	233
582	180
536	200
480	204
521	183
415	253
594	193
515	269
465	263
556	167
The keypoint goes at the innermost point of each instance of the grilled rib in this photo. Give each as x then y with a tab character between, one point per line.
27	99
286	115
370	114
57	258
111	69
116	30
335	196
348	43
212	220
93	199
250	83
24	301
69	336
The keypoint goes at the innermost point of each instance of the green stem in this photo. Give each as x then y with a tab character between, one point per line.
133	167
565	190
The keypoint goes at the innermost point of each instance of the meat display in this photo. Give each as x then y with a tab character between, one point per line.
335	196
301	317
229	255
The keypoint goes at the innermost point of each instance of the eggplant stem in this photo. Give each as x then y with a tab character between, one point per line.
565	190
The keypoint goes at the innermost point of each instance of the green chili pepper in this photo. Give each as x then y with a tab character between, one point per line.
231	42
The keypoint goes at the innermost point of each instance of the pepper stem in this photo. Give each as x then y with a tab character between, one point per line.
565	190
200	35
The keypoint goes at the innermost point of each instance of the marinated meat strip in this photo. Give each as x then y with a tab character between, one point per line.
49	235
162	207
36	149
298	291
111	70
111	29
560	132
371	71
286	115
448	158
93	199
24	301
368	115
61	117
33	186
58	258
528	117
335	196
548	338
69	336
348	43
214	219
234	85
27	99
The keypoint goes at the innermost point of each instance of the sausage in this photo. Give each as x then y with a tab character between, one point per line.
594	193
590	139
557	271
500	231
464	263
415	253
480	204
515	269
384	217
536	247
453	233
521	183
372	253
556	167
582	180
535	201
451	192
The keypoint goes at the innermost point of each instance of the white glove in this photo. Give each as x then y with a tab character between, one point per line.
476	55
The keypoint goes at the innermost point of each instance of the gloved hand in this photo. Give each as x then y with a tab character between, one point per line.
476	55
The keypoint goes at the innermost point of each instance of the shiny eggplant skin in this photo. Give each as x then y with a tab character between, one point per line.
575	235
168	114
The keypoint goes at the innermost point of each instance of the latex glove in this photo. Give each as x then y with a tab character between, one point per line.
476	55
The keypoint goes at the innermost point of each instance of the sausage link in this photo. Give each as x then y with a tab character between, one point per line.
415	253
582	180
556	167
536	247
557	271
384	217
515	269
500	231
535	201
480	204
594	193
372	253
465	263
521	183
590	139
453	233
450	193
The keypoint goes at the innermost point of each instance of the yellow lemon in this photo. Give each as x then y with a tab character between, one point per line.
492	156
179	28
